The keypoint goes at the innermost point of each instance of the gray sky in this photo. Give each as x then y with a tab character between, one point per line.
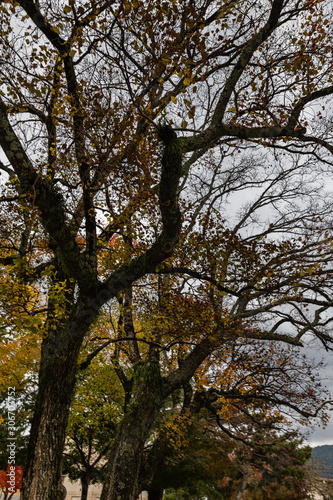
322	436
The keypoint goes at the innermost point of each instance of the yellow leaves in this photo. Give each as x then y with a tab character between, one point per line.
166	60
176	430
191	112
127	6
18	357
99	396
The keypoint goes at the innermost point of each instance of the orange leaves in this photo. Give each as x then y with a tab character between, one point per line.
270	384
11	479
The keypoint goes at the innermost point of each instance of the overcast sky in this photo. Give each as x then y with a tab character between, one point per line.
322	436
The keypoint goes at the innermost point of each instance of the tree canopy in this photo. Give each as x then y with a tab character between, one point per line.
166	163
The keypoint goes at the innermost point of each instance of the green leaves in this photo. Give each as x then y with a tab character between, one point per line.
209	225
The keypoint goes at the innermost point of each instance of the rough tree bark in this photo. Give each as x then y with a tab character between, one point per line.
59	359
149	392
125	466
48	429
92	158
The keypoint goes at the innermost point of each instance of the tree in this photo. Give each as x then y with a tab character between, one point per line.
145	140
95	413
196	457
208	463
286	474
238	414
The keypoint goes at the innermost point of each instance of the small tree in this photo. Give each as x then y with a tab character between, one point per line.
95	413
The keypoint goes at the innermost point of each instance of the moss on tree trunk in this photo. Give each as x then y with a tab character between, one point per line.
122	482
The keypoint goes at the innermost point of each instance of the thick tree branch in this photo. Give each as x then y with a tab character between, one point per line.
243	61
49	201
162	248
39	20
293	120
63	48
189	365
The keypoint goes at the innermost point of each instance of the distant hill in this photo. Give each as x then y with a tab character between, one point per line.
322	460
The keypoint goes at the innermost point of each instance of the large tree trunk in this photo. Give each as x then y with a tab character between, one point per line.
148	394
42	472
122	482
